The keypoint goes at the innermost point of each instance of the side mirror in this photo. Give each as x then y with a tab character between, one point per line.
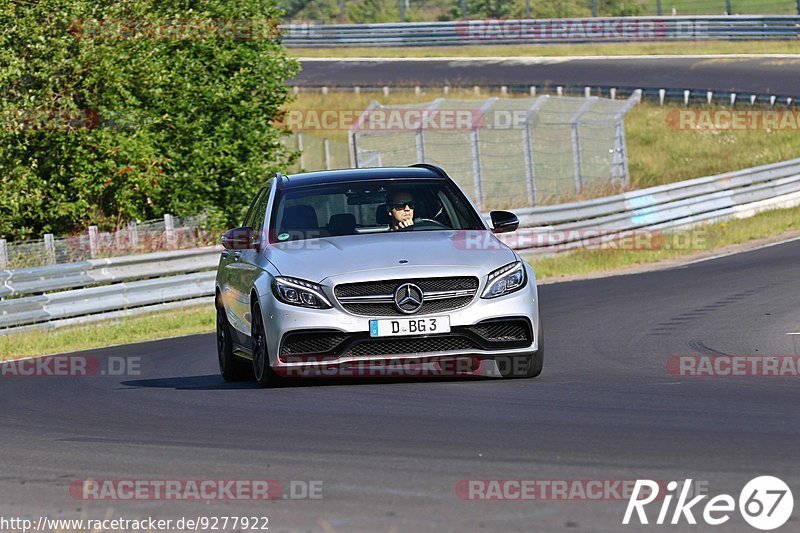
504	222
240	239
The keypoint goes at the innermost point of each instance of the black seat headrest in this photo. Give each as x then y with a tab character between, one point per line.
342	224
381	215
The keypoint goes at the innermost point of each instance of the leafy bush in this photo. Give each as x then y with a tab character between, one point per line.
119	110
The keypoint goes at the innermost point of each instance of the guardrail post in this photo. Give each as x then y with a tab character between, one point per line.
50	248
133	236
3	254
576	143
169	231
327	149
93	241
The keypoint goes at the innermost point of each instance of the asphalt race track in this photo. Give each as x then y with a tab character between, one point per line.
390	453
770	75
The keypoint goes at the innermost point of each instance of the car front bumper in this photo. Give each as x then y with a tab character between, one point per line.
486	329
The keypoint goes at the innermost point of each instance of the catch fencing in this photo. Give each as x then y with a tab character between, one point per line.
167	233
506	153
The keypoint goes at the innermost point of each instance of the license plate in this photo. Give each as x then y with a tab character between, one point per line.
409	326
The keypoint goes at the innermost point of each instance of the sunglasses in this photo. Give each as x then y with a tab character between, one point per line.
401	205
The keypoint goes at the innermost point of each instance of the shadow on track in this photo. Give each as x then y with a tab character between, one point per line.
215	382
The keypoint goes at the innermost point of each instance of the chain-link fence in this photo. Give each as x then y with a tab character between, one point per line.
506	153
168	233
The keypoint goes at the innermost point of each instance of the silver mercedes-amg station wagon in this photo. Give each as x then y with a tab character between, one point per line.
368	268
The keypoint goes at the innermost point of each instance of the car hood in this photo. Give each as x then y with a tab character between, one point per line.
318	259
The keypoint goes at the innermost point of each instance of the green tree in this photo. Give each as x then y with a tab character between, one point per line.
119	110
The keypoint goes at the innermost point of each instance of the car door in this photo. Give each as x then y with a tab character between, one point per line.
247	261
234	295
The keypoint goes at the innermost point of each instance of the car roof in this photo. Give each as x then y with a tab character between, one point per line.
361	174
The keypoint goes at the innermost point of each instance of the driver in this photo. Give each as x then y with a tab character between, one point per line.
400	205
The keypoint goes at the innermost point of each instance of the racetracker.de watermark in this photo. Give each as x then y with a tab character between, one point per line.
321	366
578	30
72	366
732	366
766	120
194	489
544	489
587	238
175	29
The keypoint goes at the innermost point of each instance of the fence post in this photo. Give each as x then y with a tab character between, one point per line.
620	156
327	149
576	143
351	141
464	9
93	242
133	236
476	168
530	170
300	149
728	9
420	146
594	8
50	248
3	254
658	8
169	231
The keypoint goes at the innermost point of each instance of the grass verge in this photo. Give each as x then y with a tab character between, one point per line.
545	50
147	327
699	242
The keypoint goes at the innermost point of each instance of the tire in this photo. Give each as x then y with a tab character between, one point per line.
524	366
265	376
231	367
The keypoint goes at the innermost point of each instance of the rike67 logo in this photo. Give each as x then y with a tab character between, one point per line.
765	503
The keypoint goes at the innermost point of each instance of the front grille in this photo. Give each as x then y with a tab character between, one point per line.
387	288
368	288
410	346
433	306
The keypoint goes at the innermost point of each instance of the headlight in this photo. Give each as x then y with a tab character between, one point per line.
505	280
299	292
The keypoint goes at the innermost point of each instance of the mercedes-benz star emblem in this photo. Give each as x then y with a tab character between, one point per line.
408	298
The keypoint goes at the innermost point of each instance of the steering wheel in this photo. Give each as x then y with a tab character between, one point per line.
426	223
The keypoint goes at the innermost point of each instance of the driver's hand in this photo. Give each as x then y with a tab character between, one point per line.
406	223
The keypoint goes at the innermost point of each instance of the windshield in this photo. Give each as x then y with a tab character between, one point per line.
379	206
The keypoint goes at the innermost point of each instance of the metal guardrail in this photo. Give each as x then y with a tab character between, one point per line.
545	31
677	205
58	295
104	288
